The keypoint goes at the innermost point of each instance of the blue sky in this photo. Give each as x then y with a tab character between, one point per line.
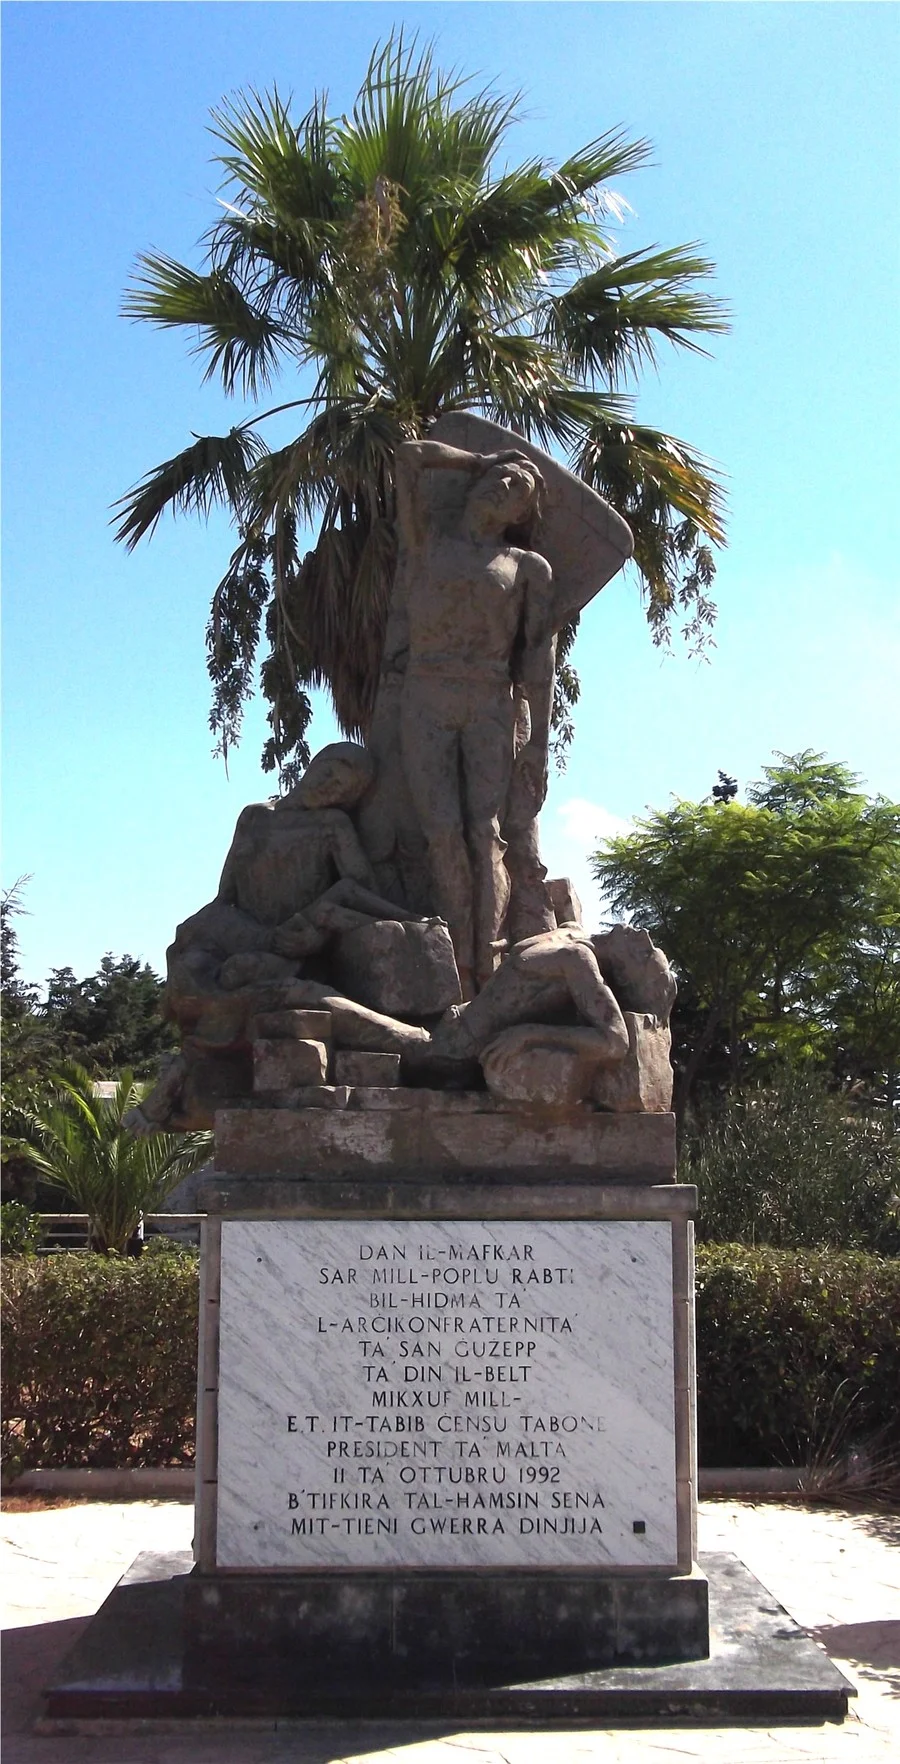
776	145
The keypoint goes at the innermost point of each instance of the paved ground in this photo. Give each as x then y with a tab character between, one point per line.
837	1573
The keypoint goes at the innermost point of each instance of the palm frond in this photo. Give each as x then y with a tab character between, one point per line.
407	127
608	321
78	1143
563	412
673	501
518	382
611	155
510	234
214	470
633	463
239	339
291	172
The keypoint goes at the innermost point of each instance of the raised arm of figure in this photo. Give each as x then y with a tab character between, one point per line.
413	457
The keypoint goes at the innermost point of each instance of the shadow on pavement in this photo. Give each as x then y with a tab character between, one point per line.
30	1656
873	1648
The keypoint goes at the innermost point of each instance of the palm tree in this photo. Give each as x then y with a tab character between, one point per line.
77	1142
388	254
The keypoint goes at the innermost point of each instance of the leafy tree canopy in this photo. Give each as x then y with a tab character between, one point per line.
110	1021
393	255
782	919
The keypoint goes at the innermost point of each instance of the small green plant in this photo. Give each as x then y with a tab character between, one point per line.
795	1167
21	1231
79	1143
160	1245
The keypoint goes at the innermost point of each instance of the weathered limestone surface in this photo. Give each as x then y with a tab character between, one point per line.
278	1065
324	927
292	1025
416	1143
564	901
375	1069
405	969
537	1064
642	1082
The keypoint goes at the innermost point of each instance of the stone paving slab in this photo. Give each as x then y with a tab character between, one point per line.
837	1573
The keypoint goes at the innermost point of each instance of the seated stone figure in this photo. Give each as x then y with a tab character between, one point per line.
296	874
295	878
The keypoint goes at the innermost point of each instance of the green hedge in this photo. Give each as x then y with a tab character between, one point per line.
99	1362
796	1349
798	1353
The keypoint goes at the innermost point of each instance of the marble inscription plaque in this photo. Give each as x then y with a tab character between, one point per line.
446	1395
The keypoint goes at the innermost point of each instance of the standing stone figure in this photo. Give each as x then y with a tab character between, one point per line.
479	610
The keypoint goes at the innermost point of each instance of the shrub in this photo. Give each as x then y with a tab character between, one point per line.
794	1167
21	1231
79	1142
794	1347
99	1363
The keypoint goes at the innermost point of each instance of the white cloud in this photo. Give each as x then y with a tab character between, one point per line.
589	822
570	832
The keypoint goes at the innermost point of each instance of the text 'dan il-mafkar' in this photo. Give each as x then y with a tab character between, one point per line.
446	1395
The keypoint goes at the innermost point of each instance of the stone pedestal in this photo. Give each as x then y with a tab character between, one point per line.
446	1414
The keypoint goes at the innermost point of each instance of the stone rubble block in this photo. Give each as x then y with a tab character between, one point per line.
403	968
403	1099
293	1026
283	1065
314	1096
642	1082
370	1069
365	1144
564	901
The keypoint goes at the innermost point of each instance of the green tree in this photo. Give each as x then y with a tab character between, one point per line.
78	1143
388	253
762	907
30	1052
861	987
24	1033
111	1019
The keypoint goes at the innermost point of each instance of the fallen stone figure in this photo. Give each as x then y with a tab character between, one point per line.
547	1030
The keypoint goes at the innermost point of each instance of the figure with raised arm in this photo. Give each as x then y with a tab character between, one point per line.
479	611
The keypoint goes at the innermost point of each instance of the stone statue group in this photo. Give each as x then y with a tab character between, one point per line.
399	886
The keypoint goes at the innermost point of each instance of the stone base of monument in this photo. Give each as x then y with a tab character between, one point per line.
437	1627
140	1660
446	1451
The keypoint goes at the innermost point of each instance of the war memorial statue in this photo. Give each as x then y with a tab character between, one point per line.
446	1429
399	888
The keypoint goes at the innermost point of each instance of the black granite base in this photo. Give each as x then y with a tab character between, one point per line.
476	1628
132	1662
